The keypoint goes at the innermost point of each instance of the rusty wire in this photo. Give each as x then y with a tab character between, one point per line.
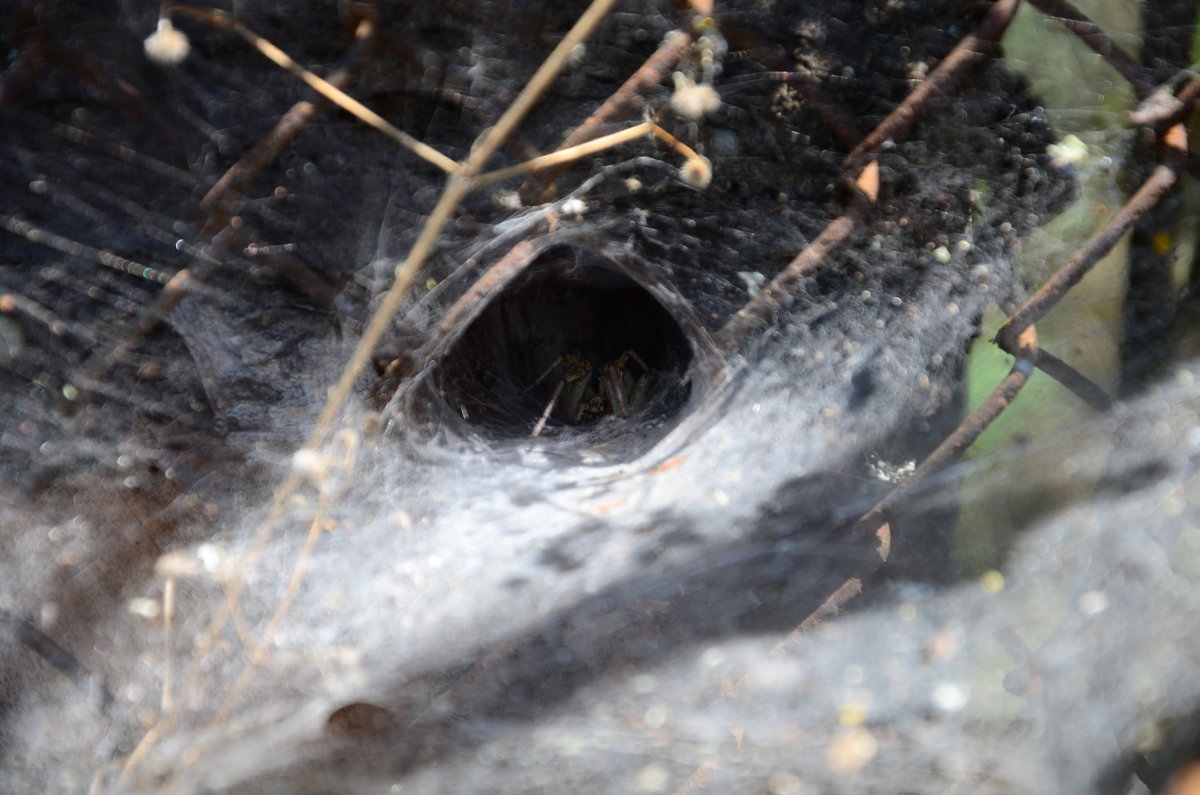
1018	335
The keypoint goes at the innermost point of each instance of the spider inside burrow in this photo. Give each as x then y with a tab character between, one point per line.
590	393
574	343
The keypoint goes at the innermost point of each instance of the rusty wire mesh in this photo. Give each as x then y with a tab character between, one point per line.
413	341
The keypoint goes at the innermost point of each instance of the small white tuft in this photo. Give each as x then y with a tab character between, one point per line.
167	46
950	696
694	101
309	463
697	172
574	207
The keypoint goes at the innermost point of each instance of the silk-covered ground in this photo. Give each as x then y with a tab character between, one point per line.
600	609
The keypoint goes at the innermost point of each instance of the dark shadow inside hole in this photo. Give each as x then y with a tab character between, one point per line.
577	336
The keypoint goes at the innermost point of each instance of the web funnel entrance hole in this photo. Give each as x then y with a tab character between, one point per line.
575	347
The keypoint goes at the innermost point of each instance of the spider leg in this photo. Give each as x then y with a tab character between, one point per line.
541	423
614	383
613	388
545	373
631	354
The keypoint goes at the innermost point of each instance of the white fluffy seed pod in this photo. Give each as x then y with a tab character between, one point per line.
166	46
697	172
694	101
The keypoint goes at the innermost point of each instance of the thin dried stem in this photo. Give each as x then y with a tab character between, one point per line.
320	523
289	126
496	278
456	189
566	156
222	20
655	69
970	429
495	137
685	151
168	674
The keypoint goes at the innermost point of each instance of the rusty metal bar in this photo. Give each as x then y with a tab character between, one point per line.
773	297
1095	38
969	50
1099	244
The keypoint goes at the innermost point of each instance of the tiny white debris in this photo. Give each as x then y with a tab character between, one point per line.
721	498
578	56
950	697
167	46
941	254
146	608
889	472
1092	603
652	778
574	207
308	462
753	279
402	520
655	716
177	565
1069	150
507	200
211	557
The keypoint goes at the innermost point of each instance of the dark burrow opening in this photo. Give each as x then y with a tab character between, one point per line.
575	346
